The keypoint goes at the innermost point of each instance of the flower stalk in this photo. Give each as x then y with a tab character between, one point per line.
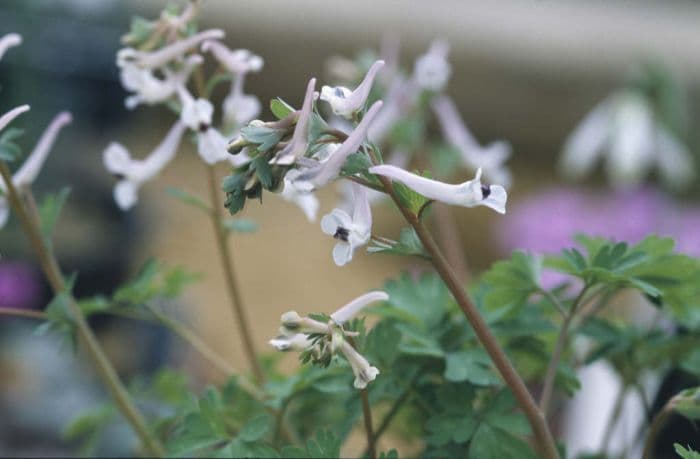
367	413
51	269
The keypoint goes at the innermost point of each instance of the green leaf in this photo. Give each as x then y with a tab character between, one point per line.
9	150
255	428
263	171
325	445
280	108
686	453
240	225
88	427
188	198
471	365
412	200
493	443
687	403
356	163
49	211
59	316
408	244
154	280
293	452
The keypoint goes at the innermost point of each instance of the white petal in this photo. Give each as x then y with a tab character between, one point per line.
240	108
160	57
239	61
116	158
195	113
342	253
8	117
632	144
8	41
338	218
26	174
432	71
351	309
585	144
344	102
674	160
296	342
212	146
497	199
362	212
126	194
296	148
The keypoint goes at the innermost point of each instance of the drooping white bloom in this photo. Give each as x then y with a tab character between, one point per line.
296	148
350	231
160	57
364	372
468	194
197	115
28	172
432	71
327	171
133	173
148	88
8	41
240	108
237	61
623	127
306	200
295	331
490	158
345	102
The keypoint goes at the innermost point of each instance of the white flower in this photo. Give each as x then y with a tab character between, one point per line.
159	58
468	194
306	200
350	231
327	171
8	41
240	108
345	102
133	173
364	372
490	158
624	128
296	148
238	61
295	330
197	115
149	89
28	172
432	71
400	97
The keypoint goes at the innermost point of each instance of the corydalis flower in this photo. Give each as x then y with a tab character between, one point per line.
350	231
197	115
624	127
490	158
149	89
133	173
296	148
468	194
28	172
324	173
432	71
159	58
295	331
306	200
8	41
345	102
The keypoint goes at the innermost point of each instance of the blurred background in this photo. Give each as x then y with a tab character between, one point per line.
523	71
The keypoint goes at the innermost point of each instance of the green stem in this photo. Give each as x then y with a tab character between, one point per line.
222	242
544	439
30	221
26	313
367	412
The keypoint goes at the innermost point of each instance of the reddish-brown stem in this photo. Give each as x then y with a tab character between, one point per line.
367	412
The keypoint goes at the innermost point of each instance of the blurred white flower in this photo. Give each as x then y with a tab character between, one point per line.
197	115
490	158
149	89
28	172
160	57
364	372
8	41
8	117
133	173
624	128
468	194
296	148
345	102
431	70
350	231
238	61
303	198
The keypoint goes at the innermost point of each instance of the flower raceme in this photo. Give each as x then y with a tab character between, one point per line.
324	340
347	103
133	173
468	194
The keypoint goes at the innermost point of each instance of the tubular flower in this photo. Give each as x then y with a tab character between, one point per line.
350	231
8	117
9	41
28	172
490	158
345	102
432	71
197	115
296	148
327	171
468	194
330	338
133	173
306	200
159	58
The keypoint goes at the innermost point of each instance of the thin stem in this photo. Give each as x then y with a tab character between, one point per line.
550	376
26	313
544	439
30	222
656	426
368	424
222	242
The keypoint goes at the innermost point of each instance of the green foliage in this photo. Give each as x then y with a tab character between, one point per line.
408	244
59	316
49	211
686	453
413	201
88	426
154	280
280	108
188	198
687	403
9	150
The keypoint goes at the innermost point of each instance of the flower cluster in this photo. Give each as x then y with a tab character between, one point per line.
156	68
320	341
